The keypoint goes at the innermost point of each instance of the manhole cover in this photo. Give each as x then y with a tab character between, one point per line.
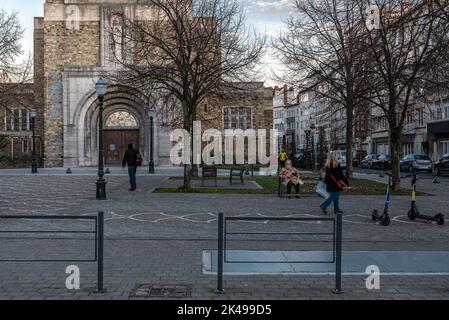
160	291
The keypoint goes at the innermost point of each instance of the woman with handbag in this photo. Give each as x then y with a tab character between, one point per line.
335	181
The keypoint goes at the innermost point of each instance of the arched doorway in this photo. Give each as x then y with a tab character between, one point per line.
127	119
120	129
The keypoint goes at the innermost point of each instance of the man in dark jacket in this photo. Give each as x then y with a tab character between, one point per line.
130	159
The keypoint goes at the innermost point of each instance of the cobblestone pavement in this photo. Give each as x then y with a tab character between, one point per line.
159	239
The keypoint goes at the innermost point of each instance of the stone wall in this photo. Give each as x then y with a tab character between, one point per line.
254	95
38	81
64	45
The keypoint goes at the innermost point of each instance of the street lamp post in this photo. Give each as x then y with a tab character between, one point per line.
100	87
151	164
33	115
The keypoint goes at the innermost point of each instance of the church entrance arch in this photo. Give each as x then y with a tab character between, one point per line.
121	129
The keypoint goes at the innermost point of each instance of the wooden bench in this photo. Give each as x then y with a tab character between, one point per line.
209	172
237	172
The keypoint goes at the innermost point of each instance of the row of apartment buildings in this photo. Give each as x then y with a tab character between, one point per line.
426	130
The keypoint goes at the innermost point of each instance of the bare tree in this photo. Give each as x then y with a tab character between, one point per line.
187	52
321	52
406	55
12	72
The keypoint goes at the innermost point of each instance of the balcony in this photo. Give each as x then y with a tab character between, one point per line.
438	127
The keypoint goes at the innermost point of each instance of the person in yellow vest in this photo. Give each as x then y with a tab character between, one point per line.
282	158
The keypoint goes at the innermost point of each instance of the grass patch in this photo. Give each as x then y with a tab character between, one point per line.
270	186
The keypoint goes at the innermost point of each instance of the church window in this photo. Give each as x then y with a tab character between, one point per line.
237	118
121	119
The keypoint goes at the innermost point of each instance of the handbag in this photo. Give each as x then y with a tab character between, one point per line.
139	160
340	184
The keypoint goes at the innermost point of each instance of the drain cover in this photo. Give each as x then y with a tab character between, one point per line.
160	291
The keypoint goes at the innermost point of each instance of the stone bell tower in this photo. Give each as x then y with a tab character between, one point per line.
71	38
77	52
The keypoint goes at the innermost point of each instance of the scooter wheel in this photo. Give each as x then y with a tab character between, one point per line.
375	215
440	219
411	215
386	221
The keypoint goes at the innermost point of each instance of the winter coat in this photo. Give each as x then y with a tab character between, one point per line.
289	174
130	158
337	174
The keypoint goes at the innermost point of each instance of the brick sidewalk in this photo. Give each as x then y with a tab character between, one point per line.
159	239
128	263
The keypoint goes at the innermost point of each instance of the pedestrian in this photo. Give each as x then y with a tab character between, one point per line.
290	178
335	183
282	158
132	158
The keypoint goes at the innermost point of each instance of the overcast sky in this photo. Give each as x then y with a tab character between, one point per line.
264	15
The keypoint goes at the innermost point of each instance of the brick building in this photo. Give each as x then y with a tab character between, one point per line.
72	49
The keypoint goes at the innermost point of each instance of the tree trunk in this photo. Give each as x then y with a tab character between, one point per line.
395	151
194	170
188	126
187	177
349	138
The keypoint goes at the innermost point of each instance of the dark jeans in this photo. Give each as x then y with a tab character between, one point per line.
289	187
132	177
335	198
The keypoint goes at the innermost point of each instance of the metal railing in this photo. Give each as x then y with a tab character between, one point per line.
336	234
98	232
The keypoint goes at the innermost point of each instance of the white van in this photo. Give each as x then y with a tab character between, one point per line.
341	156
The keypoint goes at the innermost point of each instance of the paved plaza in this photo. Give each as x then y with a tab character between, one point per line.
160	239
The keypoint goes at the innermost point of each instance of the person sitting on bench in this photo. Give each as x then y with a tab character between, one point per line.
290	178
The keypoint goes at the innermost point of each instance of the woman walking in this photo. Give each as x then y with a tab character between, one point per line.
335	182
290	178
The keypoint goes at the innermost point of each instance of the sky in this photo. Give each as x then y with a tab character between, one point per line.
266	16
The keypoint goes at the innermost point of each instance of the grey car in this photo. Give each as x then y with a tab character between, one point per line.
417	162
367	162
442	165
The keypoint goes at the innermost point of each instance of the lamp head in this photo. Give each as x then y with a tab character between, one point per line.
100	87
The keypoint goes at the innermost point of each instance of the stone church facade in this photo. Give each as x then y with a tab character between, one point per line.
71	56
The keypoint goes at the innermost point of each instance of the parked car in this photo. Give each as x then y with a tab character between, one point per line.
383	162
417	162
341	156
442	165
367	162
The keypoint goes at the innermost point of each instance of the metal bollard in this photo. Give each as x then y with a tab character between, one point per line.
338	249
100	239
220	254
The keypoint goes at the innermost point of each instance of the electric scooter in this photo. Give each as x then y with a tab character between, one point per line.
414	213
384	218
